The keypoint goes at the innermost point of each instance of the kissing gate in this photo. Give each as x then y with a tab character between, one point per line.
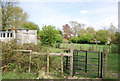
84	63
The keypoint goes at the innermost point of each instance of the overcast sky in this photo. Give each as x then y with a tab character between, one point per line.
97	14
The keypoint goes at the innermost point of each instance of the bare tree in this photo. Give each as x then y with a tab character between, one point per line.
76	27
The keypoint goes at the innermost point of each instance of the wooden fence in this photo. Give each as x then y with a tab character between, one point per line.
62	55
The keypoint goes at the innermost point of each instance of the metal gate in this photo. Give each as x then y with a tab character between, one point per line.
85	63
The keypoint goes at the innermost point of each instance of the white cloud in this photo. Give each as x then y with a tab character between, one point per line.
101	23
106	22
56	20
83	21
83	11
105	10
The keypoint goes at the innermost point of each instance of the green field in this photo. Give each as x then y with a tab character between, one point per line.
92	47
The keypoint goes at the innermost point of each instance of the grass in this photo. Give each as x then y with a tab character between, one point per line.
112	66
93	47
15	75
56	50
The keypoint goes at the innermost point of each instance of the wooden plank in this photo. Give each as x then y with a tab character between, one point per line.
56	54
64	54
23	50
39	53
28	51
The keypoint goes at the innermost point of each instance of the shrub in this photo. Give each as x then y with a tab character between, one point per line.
85	38
114	49
49	35
65	41
102	36
74	39
18	61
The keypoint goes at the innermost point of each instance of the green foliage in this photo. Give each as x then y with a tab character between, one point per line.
59	38
17	61
65	40
114	48
49	35
60	32
86	38
118	41
102	35
12	15
31	25
90	30
74	39
38	62
112	34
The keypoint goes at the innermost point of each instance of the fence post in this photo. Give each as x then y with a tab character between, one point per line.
104	62
48	63
92	47
96	47
99	48
71	60
59	45
101	71
30	61
109	48
61	64
86	63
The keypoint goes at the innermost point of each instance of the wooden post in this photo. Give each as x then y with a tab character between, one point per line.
109	48
101	71
86	63
55	44
67	46
48	63
99	48
59	45
71	60
92	48
61	64
104	62
30	61
96	47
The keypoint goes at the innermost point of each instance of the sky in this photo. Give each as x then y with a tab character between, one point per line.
96	14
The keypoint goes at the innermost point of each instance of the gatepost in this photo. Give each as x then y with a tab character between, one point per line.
105	53
71	59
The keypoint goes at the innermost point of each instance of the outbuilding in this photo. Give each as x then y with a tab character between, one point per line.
22	35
